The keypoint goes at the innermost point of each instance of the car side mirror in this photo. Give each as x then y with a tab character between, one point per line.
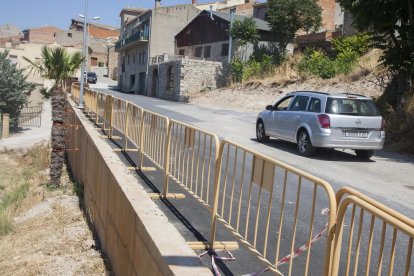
269	107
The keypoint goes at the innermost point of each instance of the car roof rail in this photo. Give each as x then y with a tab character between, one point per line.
305	91
352	94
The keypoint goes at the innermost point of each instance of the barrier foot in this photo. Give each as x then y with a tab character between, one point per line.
227	245
112	137
118	150
143	169
168	195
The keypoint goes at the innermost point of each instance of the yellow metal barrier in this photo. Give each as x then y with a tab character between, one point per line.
249	184
90	102
368	264
119	115
192	155
100	108
108	115
133	125
75	91
153	140
381	217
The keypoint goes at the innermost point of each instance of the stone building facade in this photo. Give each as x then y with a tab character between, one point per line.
176	79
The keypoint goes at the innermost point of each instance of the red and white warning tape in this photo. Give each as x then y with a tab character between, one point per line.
284	260
215	257
305	247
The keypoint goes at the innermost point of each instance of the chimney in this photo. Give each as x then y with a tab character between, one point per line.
211	12
157	3
194	2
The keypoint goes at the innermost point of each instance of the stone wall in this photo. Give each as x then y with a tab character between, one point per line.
175	80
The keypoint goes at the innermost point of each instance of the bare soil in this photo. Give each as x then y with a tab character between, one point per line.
50	235
368	79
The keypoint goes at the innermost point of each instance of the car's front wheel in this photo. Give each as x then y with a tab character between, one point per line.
364	154
304	144
261	133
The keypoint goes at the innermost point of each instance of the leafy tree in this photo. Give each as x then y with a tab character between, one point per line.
57	64
13	88
391	24
244	33
287	17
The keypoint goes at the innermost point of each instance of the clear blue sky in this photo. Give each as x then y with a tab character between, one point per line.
36	13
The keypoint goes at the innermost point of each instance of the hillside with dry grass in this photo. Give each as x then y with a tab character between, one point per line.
368	78
42	231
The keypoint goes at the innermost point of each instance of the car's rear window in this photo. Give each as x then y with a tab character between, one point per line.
353	107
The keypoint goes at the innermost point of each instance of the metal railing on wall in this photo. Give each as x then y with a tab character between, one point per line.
30	116
264	203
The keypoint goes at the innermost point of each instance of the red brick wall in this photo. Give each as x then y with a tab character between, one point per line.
12	39
102	32
328	14
243	9
43	35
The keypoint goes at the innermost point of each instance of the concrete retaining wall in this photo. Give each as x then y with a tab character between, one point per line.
134	233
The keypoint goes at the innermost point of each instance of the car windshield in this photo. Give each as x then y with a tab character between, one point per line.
351	106
91	74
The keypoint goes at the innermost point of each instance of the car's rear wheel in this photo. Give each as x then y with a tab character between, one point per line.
261	133
364	154
304	144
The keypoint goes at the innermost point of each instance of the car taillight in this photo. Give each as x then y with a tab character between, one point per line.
324	121
382	124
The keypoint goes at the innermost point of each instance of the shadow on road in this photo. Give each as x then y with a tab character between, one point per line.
322	154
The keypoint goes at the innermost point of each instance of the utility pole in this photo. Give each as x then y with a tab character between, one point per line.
231	39
82	80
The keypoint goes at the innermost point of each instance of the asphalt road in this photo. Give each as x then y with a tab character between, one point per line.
388	178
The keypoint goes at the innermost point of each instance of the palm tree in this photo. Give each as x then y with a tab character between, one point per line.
57	65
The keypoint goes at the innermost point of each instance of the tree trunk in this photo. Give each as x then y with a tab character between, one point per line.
404	86
58	135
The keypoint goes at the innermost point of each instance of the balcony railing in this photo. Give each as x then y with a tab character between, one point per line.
138	36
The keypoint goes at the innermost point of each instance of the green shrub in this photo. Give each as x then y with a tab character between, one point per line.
258	68
349	50
254	68
316	62
358	44
236	69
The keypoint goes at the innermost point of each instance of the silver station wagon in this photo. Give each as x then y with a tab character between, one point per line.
318	119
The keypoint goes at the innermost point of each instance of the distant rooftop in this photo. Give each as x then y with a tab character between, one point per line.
260	24
48	27
9	30
136	10
80	22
